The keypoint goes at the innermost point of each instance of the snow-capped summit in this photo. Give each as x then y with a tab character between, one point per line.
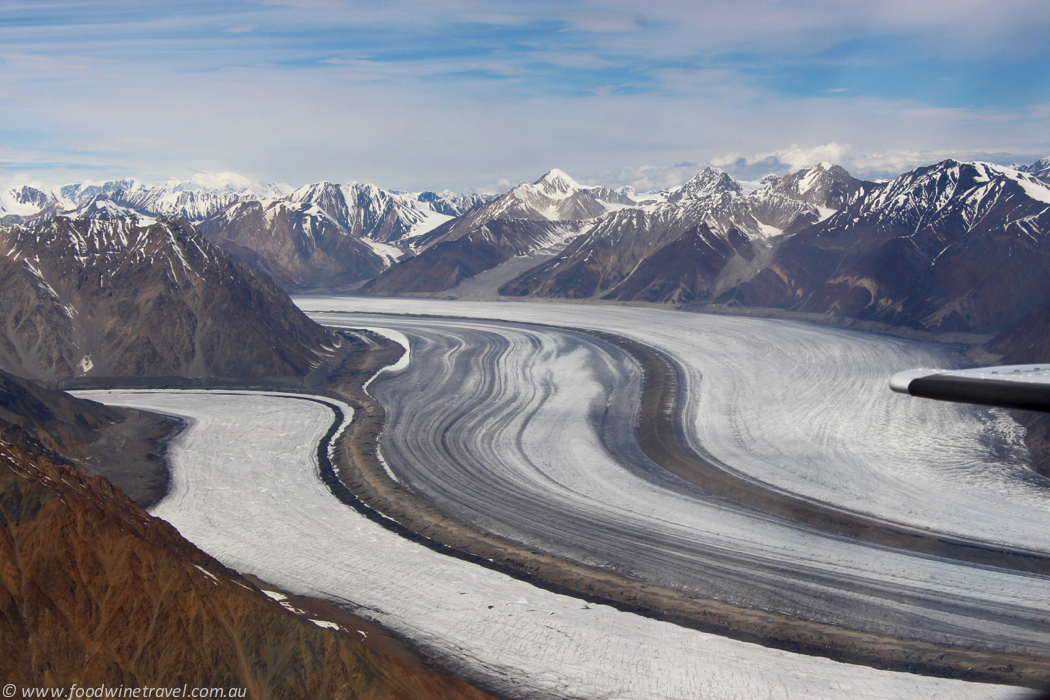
556	184
175	198
825	186
544	215
18	203
710	182
554	197
102	207
952	190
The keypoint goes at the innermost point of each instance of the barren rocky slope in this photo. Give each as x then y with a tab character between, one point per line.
124	445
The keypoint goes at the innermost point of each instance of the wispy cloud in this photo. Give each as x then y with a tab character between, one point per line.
454	93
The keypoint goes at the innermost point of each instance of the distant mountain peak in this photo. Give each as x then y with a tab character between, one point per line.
709	181
823	185
557	184
1039	169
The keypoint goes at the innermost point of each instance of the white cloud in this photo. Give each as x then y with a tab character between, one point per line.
793	158
498	187
222	180
284	109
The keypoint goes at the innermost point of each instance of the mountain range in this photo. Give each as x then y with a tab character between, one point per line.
950	247
320	235
689	244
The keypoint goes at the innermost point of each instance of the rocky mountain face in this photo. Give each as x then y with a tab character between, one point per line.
446	263
555	197
824	185
704	237
530	217
298	246
94	591
117	297
950	247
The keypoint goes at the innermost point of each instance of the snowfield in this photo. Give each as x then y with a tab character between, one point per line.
244	487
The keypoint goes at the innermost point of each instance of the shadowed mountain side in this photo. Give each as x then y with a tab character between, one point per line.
955	247
96	592
686	269
298	248
122	444
93	297
445	264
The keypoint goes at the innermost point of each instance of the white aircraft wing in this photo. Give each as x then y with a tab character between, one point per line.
1025	387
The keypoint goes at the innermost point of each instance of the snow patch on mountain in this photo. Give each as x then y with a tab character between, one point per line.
390	254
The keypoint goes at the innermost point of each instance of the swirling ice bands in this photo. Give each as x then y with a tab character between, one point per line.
806	409
244	488
517	450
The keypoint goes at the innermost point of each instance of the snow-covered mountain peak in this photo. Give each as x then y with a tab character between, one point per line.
825	186
707	183
556	184
313	191
102	207
953	196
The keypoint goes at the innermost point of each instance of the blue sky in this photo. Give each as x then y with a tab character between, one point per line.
478	95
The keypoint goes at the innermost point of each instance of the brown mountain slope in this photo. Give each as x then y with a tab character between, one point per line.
117	298
94	591
122	444
299	247
450	261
